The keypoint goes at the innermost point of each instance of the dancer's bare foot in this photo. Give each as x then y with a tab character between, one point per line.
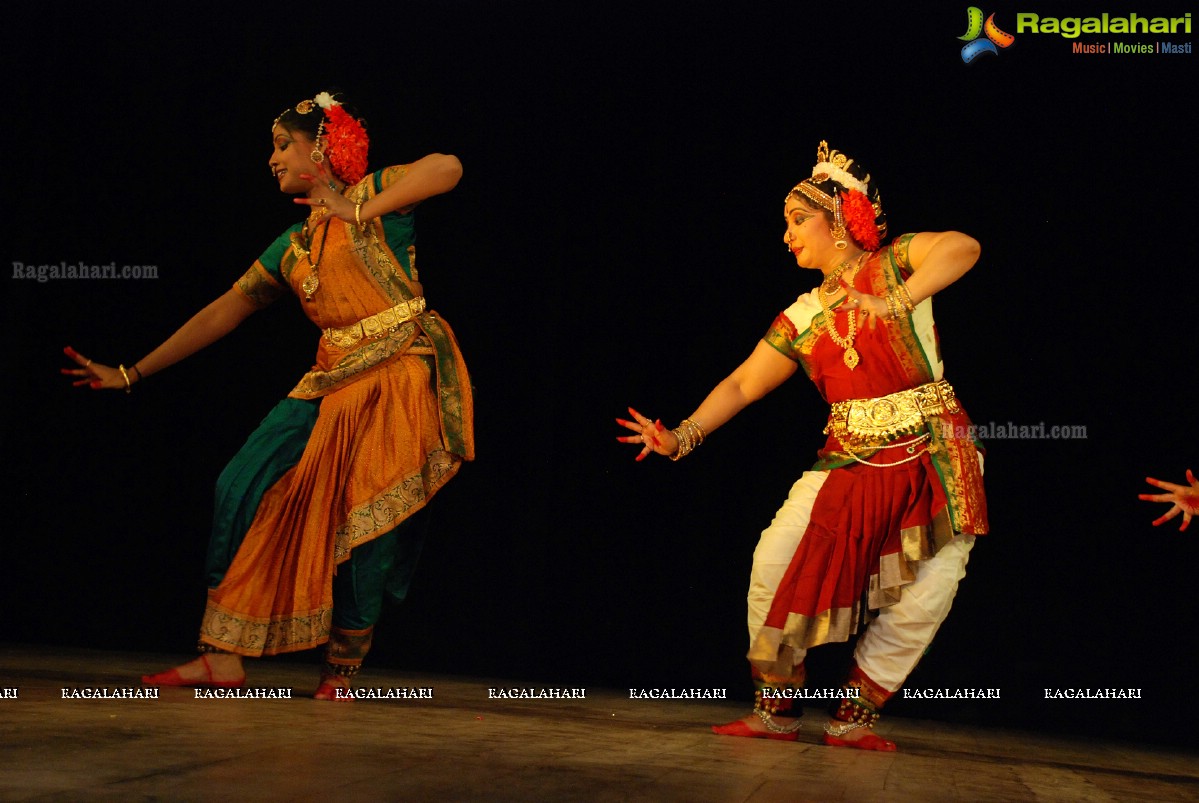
862	738
217	669
752	726
330	687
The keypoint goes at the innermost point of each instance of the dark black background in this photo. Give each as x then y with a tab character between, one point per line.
616	240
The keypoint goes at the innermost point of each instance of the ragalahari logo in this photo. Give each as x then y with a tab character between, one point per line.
976	43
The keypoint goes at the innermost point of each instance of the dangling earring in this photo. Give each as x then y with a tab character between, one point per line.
317	154
838	230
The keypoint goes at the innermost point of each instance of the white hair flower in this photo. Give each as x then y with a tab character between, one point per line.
837	174
325	100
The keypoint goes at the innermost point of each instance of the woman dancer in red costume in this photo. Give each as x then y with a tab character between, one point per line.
878	532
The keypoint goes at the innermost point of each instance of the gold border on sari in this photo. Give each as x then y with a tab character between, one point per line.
389	508
802	632
257	285
247	635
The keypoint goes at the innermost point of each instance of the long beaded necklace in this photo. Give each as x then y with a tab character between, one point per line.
312	281
851	357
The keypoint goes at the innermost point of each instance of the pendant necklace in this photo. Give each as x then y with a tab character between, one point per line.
851	357
312	282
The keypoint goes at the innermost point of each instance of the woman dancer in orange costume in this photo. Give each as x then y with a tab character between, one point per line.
317	517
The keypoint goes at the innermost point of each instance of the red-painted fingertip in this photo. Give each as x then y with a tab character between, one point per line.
70	352
624	423
634	413
640	457
658	424
96	385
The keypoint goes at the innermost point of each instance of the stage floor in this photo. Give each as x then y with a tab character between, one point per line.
461	745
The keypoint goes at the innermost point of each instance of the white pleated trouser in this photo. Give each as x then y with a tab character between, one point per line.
893	643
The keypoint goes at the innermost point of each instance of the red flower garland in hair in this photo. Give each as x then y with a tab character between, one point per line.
859	219
347	146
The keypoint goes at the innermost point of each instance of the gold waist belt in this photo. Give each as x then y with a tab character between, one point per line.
379	323
875	422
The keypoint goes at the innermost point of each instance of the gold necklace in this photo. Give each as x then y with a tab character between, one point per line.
312	281
830	325
832	282
851	357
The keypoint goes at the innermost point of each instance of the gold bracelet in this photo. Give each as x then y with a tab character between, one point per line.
358	213
689	434
685	446
124	373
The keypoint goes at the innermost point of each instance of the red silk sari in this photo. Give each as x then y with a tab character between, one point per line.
870	524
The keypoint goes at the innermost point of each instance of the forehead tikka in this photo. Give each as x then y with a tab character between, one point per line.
303	107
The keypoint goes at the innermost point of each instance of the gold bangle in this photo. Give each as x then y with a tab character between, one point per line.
358	214
690	434
124	373
892	306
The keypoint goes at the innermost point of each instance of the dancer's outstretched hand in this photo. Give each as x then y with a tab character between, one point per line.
1185	500
93	374
651	435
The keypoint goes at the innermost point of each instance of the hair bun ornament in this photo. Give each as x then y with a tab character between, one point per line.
346	140
835	165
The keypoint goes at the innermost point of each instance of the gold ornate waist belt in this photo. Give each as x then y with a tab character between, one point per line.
875	422
375	325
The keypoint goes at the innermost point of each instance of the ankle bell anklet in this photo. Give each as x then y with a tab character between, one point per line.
857	712
769	701
342	670
861	710
772	703
774	727
841	728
